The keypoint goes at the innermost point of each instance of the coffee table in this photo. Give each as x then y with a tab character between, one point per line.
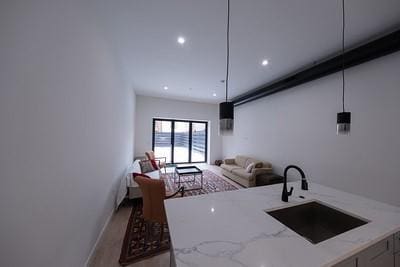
188	171
171	165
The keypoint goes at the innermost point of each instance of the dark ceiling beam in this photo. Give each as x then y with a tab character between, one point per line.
382	46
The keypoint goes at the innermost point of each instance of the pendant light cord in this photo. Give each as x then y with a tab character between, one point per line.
227	53
343	28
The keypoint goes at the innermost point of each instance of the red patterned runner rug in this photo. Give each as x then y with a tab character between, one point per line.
139	243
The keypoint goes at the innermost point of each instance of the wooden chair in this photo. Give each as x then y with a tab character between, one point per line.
161	161
153	192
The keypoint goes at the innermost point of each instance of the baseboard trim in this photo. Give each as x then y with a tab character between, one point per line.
89	259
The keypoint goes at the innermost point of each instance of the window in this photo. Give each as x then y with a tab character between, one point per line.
180	141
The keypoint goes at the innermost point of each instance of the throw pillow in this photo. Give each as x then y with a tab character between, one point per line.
146	166
154	164
150	155
250	167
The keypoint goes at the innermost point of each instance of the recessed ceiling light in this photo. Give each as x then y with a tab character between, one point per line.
264	62
214	94
181	40
165	87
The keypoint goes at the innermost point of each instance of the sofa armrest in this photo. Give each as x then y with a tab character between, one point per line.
229	161
257	171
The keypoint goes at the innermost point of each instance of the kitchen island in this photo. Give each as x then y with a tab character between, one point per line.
233	229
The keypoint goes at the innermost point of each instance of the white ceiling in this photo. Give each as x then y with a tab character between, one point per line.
289	33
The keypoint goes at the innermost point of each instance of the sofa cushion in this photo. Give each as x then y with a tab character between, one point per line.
267	165
250	167
242	173
241	161
257	163
230	167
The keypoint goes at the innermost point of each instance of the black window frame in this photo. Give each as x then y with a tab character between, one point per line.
190	138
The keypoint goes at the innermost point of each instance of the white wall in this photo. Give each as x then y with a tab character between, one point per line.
298	126
148	108
66	132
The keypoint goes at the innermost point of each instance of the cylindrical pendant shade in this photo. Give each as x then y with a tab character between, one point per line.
343	123
226	118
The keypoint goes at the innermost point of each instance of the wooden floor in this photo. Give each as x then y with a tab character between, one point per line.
109	248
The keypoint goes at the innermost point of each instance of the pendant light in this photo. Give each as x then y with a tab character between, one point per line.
226	108
343	118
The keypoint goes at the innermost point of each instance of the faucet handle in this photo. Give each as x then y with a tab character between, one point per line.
291	191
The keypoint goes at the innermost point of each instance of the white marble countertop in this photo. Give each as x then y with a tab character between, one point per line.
232	229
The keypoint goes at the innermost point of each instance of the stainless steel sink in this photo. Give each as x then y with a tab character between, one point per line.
316	222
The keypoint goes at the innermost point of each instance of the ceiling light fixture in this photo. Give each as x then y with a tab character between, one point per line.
226	108
343	118
165	87
181	40
264	62
214	94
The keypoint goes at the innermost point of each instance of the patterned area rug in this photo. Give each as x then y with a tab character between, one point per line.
140	243
211	183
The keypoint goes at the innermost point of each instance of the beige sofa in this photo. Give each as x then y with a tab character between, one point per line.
235	169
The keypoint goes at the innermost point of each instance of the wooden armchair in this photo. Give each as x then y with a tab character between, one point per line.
161	161
154	194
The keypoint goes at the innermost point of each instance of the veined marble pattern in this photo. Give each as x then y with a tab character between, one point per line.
232	228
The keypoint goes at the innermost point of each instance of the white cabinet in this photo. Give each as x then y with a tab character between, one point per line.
397	259
381	254
397	250
397	242
350	262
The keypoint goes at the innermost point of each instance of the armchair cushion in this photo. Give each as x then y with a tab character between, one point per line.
161	164
150	155
153	192
154	164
